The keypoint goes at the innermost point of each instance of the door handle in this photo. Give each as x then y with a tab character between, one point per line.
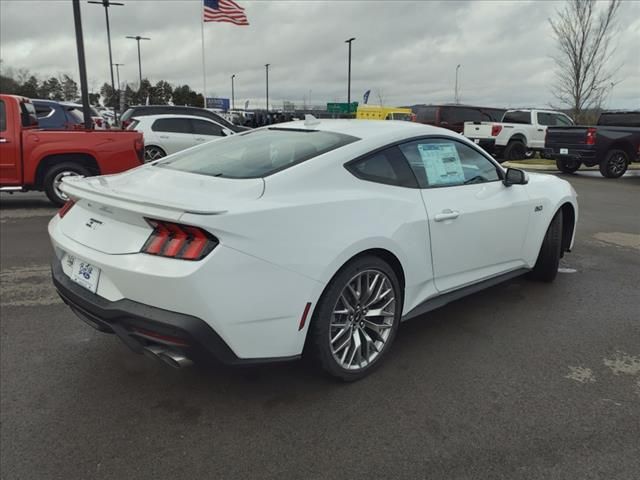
3	140
447	214
164	136
200	139
541	129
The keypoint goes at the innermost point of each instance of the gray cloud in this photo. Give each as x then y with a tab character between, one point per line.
406	50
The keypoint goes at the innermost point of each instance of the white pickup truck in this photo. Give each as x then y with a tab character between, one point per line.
519	132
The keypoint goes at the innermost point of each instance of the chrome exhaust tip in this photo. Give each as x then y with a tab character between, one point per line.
174	359
153	352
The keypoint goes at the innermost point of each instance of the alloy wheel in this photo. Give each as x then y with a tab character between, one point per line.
57	181
362	320
617	164
152	153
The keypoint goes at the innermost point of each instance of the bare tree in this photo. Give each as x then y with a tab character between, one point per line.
583	33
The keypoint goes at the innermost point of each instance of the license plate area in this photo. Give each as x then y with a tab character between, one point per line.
476	141
83	273
564	151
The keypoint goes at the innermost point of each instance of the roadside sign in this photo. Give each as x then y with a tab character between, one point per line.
220	103
342	107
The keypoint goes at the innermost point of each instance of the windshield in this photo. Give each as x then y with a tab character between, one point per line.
256	154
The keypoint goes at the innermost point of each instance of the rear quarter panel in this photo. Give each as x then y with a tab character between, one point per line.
113	151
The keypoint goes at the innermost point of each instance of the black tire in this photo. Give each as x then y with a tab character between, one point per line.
53	176
151	153
515	150
568	166
319	335
614	164
546	267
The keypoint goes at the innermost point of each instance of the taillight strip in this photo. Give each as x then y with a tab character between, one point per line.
183	242
66	207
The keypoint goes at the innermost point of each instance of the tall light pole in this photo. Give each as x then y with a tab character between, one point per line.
233	96
84	88
137	38
118	65
266	66
349	77
456	93
106	4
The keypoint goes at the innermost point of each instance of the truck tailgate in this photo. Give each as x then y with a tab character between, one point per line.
480	130
566	137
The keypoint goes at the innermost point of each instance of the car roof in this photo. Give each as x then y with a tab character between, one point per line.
365	129
172	115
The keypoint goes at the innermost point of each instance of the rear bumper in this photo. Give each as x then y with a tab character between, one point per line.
588	157
139	325
487	144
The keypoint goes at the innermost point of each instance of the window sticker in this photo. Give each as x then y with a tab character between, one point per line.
442	164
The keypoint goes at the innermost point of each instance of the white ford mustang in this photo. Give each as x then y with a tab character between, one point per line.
313	236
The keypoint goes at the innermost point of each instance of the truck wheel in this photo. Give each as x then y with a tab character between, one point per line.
568	166
53	179
515	150
614	164
546	267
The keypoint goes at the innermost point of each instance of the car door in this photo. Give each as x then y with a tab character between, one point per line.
539	129
173	133
205	130
477	224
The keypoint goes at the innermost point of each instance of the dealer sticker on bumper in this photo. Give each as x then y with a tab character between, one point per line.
83	273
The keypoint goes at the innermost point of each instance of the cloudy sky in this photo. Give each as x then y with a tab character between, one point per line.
405	51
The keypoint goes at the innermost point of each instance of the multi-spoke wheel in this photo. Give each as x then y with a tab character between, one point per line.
356	319
151	153
53	179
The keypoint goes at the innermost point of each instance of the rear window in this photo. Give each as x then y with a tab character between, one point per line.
457	115
256	154
517	116
28	114
630	119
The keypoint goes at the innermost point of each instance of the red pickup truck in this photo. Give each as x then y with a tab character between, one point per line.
34	159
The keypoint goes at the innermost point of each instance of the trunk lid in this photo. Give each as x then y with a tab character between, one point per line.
478	130
110	213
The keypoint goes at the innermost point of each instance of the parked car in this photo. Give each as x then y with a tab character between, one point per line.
612	144
35	159
453	117
54	115
314	237
167	134
144	110
519	132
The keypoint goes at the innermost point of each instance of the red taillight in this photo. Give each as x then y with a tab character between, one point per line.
138	145
495	130
98	122
178	241
124	124
66	207
591	136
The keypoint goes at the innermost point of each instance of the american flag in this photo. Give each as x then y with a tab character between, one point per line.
224	11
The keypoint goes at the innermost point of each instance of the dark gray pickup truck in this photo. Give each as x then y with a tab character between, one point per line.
612	144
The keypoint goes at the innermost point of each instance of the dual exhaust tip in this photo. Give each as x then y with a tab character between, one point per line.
170	357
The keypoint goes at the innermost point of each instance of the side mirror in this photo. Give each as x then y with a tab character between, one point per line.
515	176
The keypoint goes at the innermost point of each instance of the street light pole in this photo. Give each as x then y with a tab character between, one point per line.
456	93
84	87
266	66
349	77
118	65
137	38
233	97
106	4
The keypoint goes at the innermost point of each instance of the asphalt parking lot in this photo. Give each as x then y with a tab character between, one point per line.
523	380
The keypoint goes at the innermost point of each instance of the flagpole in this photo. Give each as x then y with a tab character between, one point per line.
204	67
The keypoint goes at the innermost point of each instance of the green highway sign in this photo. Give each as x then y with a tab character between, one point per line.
342	107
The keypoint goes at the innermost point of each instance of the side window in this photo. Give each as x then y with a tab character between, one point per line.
546	119
43	111
171	125
447	163
3	116
517	116
387	166
202	127
563	120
